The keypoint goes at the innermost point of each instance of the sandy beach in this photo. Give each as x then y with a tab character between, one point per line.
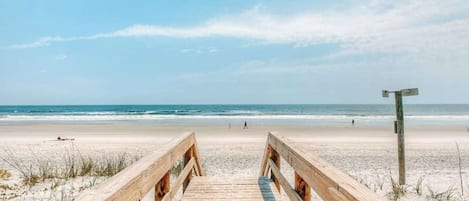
366	153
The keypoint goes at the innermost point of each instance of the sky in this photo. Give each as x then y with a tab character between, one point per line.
232	52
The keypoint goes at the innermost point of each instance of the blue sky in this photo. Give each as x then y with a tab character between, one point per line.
202	52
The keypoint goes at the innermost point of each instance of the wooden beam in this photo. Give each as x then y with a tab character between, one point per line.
302	188
199	169
264	163
400	136
275	157
187	157
182	177
162	187
291	193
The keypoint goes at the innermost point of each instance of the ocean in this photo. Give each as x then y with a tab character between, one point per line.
299	114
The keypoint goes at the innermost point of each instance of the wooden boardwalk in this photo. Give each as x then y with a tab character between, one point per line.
231	188
150	178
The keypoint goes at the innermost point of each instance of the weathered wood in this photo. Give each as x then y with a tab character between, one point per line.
302	188
264	163
320	175
153	171
134	182
230	188
291	193
167	197
400	136
198	166
162	187
275	157
182	176
187	157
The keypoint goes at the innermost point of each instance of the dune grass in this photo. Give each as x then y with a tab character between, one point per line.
75	165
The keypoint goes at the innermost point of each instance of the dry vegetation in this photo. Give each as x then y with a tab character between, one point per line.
75	165
76	172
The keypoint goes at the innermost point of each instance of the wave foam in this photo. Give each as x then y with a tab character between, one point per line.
101	116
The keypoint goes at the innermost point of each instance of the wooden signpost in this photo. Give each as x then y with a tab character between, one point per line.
399	126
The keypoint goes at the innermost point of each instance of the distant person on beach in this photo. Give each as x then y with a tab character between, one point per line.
353	122
64	139
245	125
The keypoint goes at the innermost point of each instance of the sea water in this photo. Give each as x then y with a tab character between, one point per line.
298	114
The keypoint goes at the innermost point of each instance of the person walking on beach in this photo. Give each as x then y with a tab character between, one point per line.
353	122
245	125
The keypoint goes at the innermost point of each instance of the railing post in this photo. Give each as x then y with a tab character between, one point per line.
302	188
162	187
276	159
187	157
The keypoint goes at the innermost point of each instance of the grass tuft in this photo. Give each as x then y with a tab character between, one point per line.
397	190
418	186
441	196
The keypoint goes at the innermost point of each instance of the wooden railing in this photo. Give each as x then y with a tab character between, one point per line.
310	172
152	172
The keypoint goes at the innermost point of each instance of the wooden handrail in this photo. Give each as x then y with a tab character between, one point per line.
152	171
310	172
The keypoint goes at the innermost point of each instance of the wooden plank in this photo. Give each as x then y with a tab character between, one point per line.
162	187
229	180
320	175
264	164
302	188
182	177
132	183
231	188
291	193
187	157
275	157
167	197
199	169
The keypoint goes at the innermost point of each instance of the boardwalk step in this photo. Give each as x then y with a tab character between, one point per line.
231	188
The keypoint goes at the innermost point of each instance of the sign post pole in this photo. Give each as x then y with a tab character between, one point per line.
400	137
399	127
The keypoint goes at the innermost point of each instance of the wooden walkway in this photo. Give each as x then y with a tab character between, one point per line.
231	188
150	178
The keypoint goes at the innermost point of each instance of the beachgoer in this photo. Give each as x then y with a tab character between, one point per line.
353	122
245	125
64	139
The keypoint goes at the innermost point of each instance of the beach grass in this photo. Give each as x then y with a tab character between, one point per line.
75	165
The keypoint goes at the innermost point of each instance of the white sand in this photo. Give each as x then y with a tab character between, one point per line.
366	153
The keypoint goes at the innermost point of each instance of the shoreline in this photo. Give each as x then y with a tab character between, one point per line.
311	134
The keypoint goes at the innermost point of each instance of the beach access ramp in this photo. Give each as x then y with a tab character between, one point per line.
153	177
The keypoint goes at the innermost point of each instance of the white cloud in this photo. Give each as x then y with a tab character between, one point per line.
212	50
209	50
61	57
419	27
